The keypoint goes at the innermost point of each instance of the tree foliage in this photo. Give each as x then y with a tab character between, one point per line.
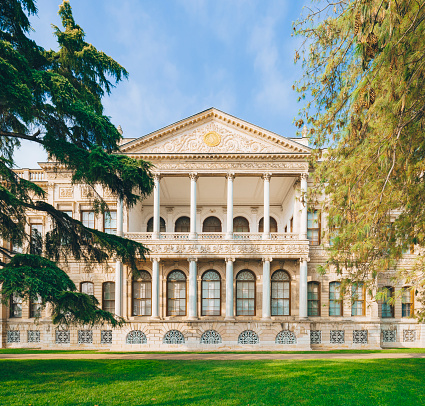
364	99
54	98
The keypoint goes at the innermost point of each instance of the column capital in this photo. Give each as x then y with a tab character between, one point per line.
193	176
157	176
190	259
155	259
267	259
266	176
229	259
304	176
230	176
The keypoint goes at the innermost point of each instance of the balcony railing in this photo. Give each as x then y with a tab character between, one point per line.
211	236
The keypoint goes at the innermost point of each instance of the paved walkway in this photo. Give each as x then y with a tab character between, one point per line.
214	357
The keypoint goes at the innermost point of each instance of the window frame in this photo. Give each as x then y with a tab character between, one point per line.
168	313
104	301
340	300
411	303
289	299
391	292
363	300
82	212
255	293
261	225
86	282
319	300
111	219
15	300
202	292
247	222
34	227
215	231
145	299
175	224
35	313
312	229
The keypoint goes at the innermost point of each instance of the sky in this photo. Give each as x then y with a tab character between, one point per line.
185	56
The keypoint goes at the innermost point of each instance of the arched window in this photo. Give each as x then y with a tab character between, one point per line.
149	227
87	288
387	308
142	294
273	225
313	299
108	296
248	337
211	293
245	293
281	293
211	225
211	337
173	337
176	293
335	302
136	337
182	225
240	225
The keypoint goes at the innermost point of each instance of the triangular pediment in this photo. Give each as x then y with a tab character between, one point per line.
213	132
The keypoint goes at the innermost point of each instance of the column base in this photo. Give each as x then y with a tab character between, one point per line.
192	319
266	319
266	236
229	236
155	318
193	236
229	319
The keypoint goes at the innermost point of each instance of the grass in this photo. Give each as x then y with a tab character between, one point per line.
148	382
37	351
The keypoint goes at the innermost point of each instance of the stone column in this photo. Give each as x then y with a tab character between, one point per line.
266	219
193	314
193	179
229	289
155	289
156	205
119	282
266	288
303	219
303	289
229	232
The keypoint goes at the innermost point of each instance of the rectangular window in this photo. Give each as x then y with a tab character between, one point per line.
407	302
313	227
15	306
335	302
68	212
87	288
110	222
87	218
245	298
291	225
387	309
108	302
142	298
36	241
358	300
313	299
35	307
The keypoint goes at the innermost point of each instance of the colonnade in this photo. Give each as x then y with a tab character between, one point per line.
192	293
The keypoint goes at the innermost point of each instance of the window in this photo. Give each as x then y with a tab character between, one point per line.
211	225
15	306
291	225
245	293
87	218
149	227
108	302
176	293
36	241
313	227
407	302
281	293
182	225
211	293
358	300
110	222
68	212
35	307
273	225
142	295
335	302
387	309
313	299
240	225
87	288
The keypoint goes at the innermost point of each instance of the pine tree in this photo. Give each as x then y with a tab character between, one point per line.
54	99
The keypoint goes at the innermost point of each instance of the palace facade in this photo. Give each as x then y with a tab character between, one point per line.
233	258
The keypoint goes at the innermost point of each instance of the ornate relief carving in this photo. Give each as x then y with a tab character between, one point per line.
108	193
213	137
66	192
86	192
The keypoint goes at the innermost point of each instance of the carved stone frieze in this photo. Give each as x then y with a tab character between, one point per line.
66	192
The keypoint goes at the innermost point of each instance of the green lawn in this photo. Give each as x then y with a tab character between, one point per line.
147	382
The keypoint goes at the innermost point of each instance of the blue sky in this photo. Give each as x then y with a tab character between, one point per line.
184	56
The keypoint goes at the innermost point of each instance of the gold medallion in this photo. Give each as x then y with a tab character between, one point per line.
212	139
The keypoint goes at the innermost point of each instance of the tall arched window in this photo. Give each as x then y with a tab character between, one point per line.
108	296
313	299
182	225
142	294
335	302
176	293
273	225
240	225
149	227
245	293
211	225
281	293
211	293
87	288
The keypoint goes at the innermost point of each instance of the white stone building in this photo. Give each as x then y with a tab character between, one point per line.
233	254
